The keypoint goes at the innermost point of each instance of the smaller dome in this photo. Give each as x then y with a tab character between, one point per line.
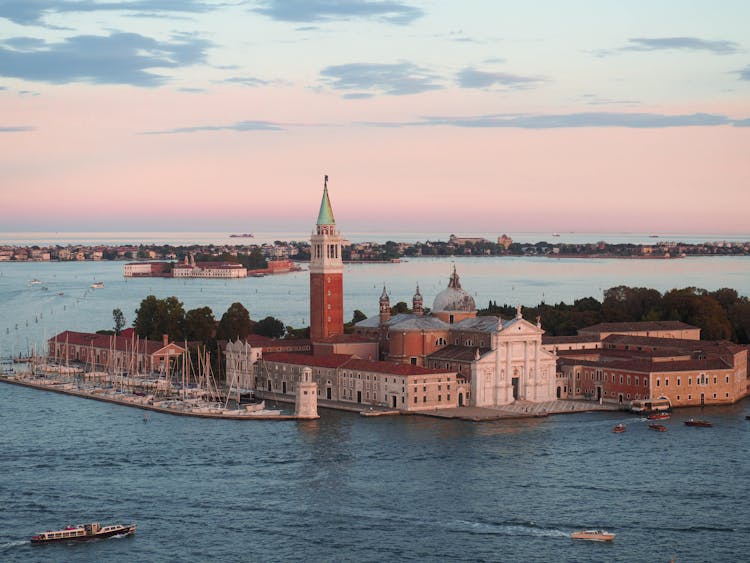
453	298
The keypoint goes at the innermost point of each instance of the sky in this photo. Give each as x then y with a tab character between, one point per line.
427	116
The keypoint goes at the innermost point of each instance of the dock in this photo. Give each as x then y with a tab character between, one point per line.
70	389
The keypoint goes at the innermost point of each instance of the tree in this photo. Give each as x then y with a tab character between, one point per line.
156	317
628	304
358	316
270	327
119	319
234	324
694	306
400	307
199	324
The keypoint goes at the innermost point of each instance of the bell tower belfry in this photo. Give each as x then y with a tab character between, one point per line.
326	274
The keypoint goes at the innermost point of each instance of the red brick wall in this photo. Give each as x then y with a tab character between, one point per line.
326	311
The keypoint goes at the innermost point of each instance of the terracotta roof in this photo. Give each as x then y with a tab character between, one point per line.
344	361
546	339
647	366
329	361
105	342
457	353
715	346
391	368
638	326
345	339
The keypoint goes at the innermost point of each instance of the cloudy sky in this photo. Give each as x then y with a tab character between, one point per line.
435	115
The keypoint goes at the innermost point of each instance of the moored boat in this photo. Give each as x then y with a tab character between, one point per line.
658	427
694	422
84	532
593	535
619	428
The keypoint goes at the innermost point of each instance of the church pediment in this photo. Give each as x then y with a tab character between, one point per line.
520	327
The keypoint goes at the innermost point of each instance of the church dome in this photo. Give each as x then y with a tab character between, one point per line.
453	298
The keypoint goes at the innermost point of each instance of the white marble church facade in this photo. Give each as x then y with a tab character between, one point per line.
515	367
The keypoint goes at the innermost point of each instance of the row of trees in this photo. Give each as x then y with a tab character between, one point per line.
156	317
720	314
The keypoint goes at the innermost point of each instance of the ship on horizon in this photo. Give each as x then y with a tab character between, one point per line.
242	235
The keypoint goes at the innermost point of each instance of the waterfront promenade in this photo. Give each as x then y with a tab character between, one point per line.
519	409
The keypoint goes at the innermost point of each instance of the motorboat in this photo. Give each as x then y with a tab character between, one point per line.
593	535
84	532
658	427
619	428
659	416
97	285
694	422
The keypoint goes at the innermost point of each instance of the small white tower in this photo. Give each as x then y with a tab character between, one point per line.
306	405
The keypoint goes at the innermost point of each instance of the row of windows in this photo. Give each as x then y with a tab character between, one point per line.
439	398
702	380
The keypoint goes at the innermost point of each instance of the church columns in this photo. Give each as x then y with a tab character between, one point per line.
499	387
537	371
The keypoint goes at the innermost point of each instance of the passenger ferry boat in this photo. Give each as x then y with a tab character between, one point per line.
84	532
593	535
648	406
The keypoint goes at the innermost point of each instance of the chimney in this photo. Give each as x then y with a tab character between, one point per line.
165	339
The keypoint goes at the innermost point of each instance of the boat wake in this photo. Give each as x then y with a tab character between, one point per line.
10	545
514	529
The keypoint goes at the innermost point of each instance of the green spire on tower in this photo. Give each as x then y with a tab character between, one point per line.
325	217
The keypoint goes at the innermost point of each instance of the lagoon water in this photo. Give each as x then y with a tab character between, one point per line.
346	488
29	313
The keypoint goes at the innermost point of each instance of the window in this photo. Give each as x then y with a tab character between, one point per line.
424	399
658	382
440	398
666	382
415	399
727	379
448	398
678	382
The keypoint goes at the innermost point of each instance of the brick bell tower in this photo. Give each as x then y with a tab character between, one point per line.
326	274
